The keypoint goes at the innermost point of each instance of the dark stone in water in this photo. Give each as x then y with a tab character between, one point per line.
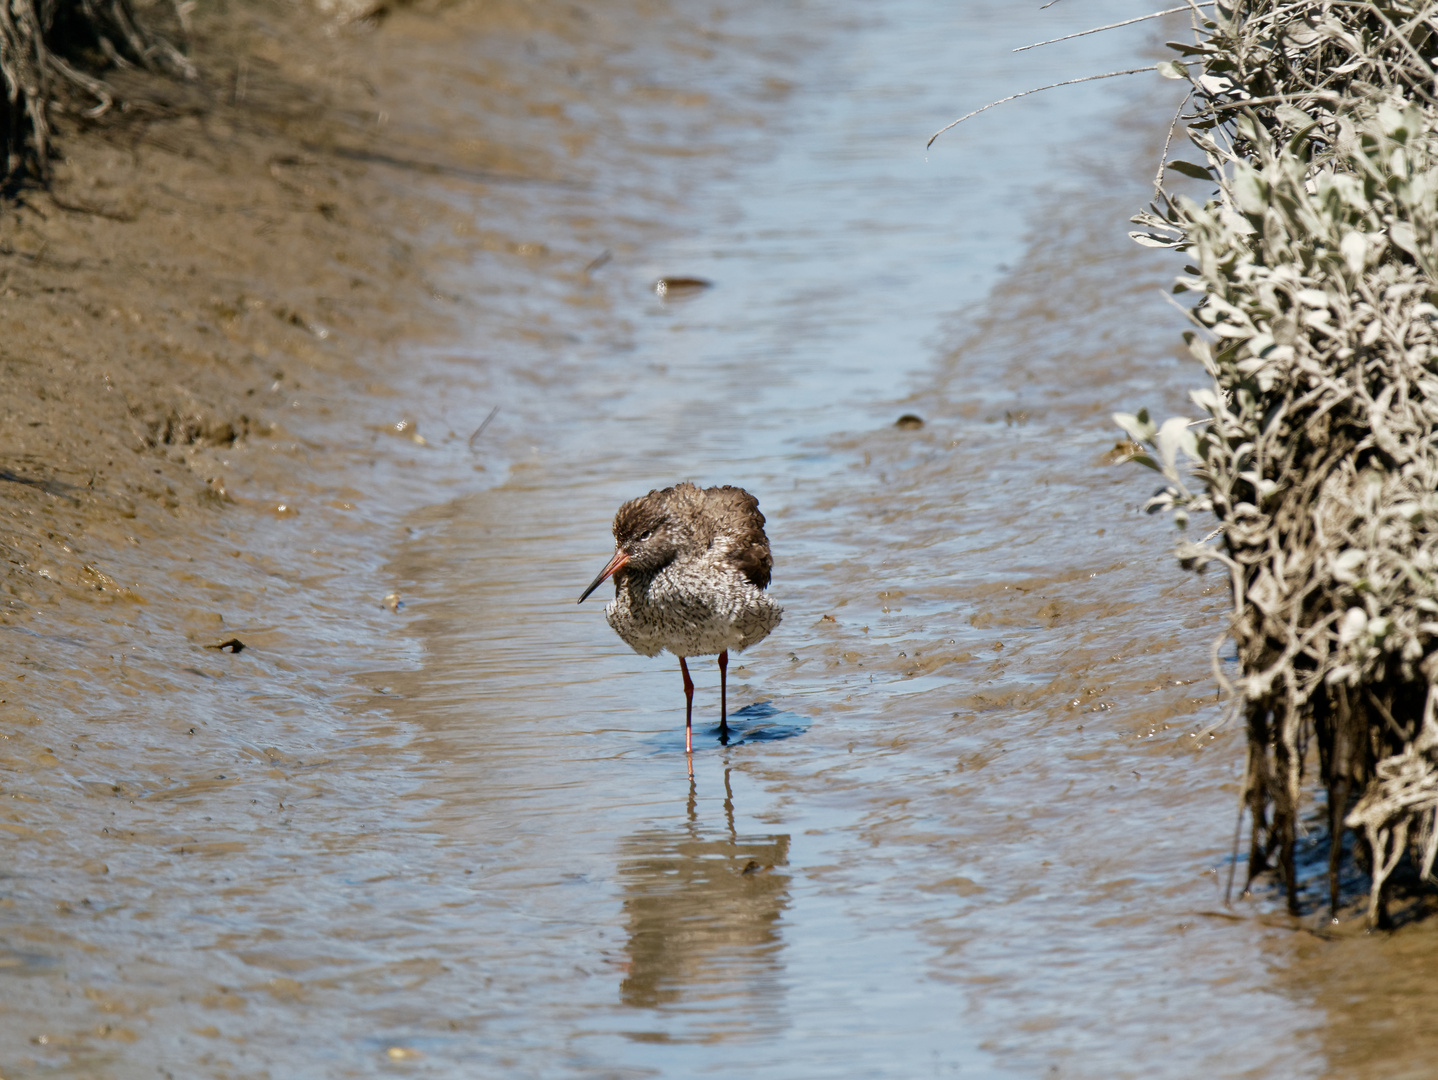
675	288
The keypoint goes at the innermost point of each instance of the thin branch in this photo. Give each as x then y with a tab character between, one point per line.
1035	90
1167	142
1272	99
1113	26
1402	40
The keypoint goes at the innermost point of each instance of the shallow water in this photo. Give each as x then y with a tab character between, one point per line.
977	823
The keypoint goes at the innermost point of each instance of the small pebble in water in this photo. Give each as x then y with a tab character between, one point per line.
908	422
408	429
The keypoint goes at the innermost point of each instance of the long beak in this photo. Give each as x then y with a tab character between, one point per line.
616	563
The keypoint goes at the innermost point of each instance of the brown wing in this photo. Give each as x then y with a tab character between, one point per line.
735	515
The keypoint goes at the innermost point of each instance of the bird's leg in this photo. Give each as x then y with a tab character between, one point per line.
688	708
724	697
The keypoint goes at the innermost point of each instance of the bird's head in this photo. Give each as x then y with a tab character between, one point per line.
647	538
648	535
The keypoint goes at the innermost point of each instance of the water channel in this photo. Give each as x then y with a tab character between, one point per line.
976	822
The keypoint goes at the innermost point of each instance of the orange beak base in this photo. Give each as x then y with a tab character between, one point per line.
619	561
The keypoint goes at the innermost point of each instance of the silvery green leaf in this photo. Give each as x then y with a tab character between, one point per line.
1173	436
1171	69
1205	399
1401	233
1348	564
1391	120
1140	428
1188	168
1228	330
1249	190
1235	222
1340	674
1354	247
1150	240
1162	500
1352	625
1294	118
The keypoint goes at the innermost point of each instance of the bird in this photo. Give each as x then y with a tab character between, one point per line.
690	567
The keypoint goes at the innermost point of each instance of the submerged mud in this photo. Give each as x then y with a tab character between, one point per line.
434	817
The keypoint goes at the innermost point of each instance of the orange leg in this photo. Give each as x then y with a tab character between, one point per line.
688	708
724	697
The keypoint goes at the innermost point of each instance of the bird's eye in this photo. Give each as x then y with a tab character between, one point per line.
646	535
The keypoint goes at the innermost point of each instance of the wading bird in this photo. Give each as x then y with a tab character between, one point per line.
690	568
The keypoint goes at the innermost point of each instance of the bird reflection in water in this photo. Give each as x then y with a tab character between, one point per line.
703	910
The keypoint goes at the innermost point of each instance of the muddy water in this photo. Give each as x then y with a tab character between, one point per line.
974	822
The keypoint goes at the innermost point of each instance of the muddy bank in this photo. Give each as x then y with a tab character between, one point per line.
203	260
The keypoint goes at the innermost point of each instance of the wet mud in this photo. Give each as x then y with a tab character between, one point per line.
310	763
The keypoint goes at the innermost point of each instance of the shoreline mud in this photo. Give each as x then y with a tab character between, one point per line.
196	264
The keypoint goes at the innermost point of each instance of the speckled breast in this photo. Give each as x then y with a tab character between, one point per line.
691	614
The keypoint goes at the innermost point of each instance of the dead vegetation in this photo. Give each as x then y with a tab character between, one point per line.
52	56
1316	269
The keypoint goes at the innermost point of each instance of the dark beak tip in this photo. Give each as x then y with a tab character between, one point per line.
618	561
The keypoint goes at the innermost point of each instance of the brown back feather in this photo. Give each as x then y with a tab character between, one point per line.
735	513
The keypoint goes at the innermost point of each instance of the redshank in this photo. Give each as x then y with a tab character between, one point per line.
690	568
